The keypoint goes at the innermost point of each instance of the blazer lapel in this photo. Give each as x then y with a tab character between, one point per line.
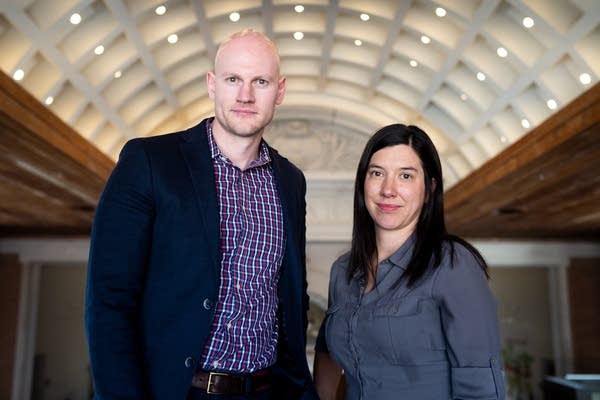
196	154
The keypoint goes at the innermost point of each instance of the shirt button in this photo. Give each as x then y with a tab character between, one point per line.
190	362
207	304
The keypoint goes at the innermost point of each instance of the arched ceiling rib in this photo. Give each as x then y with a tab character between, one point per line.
142	84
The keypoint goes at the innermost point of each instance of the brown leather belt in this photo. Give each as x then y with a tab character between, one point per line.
224	383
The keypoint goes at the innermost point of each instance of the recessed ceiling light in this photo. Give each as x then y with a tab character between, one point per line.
75	19
99	49
365	17
551	103
358	42
481	76
440	12
502	52
19	75
503	139
234	16
425	39
585	78
463	97
298	35
299	8
49	100
173	38
413	63
528	22
525	123
160	10
117	74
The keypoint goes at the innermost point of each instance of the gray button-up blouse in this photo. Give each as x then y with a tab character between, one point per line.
437	340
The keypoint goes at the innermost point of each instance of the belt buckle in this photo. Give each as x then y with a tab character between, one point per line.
211	383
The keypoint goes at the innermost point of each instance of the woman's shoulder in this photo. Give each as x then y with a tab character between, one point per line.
458	251
339	267
460	263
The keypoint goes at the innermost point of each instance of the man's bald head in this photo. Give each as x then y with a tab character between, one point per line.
248	35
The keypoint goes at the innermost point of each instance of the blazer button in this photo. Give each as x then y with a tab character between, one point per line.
207	304
190	362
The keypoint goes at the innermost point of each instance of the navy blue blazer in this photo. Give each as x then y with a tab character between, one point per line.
154	270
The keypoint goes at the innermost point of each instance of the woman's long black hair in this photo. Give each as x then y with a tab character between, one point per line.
431	227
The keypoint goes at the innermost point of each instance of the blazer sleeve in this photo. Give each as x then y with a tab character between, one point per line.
120	242
470	324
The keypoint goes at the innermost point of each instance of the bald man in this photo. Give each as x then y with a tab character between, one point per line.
197	279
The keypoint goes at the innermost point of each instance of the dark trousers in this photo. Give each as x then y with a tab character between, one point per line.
199	394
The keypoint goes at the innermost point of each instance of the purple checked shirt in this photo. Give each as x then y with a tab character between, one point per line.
244	335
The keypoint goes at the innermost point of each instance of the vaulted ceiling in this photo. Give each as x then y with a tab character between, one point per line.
477	75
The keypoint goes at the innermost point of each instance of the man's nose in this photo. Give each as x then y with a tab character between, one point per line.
246	93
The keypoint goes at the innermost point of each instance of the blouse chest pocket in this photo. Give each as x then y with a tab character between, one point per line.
410	330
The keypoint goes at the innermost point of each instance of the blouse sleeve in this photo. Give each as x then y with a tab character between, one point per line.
335	274
470	324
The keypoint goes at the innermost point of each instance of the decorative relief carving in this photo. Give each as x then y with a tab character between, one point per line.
323	210
317	145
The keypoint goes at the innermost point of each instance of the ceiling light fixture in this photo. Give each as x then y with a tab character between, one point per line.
503	139
585	78
117	74
525	123
75	19
298	35
481	76
160	10
299	8
19	75
173	38
425	39
502	52
99	50
358	42
528	22
49	100
551	103
413	63
440	12
463	97
364	17
234	16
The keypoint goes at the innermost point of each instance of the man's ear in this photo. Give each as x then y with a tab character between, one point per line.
210	84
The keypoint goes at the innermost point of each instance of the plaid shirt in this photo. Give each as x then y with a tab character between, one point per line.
243	336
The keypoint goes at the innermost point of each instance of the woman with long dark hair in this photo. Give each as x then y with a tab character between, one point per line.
410	312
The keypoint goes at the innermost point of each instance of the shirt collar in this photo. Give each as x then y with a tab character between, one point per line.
263	154
401	257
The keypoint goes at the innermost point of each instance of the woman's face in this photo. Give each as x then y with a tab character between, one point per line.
395	189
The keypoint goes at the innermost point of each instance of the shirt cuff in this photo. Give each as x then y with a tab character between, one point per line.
481	383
